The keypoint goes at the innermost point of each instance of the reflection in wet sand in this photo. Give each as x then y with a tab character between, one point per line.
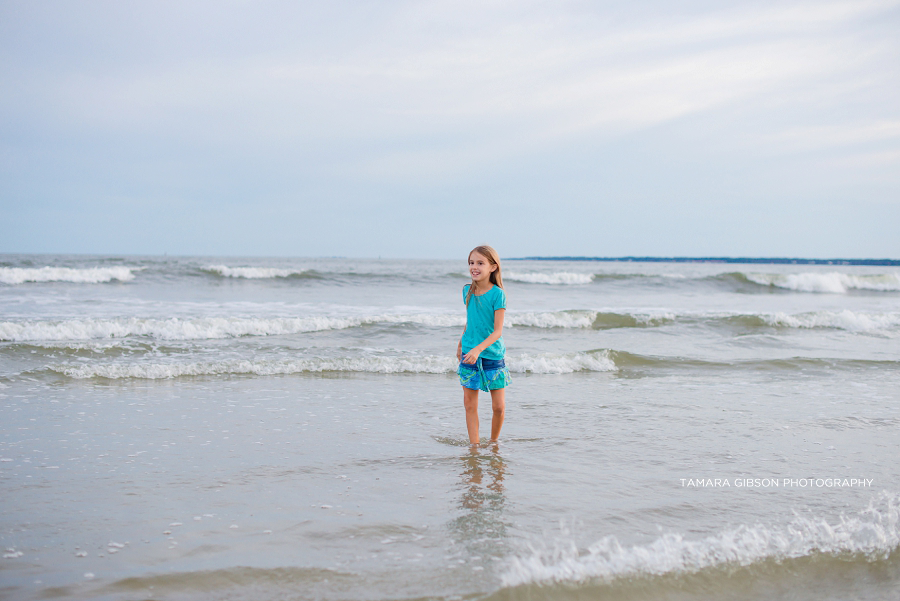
481	527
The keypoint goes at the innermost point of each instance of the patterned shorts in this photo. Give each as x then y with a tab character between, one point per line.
486	375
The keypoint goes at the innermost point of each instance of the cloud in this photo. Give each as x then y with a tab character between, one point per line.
818	137
349	101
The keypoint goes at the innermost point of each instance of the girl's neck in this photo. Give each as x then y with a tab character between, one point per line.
481	288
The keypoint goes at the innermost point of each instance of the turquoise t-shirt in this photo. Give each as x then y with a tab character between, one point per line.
480	322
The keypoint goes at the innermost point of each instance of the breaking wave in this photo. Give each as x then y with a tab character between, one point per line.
557	278
109	363
833	282
548	363
827	282
85	275
842	320
156	371
597	320
598	361
554	319
206	328
873	533
256	273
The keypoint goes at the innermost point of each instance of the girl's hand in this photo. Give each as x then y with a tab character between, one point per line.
458	352
472	356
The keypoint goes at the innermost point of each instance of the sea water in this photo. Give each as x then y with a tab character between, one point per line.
234	428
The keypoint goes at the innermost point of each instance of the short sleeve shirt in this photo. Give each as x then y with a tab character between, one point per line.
480	322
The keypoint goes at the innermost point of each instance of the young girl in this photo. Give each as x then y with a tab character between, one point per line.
481	350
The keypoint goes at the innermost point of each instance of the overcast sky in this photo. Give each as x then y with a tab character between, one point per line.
420	129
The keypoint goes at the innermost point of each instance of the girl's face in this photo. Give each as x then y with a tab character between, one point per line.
480	267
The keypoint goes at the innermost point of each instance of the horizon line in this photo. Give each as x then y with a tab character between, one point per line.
760	260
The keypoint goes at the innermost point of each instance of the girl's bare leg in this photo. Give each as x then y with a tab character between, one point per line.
498	403
470	401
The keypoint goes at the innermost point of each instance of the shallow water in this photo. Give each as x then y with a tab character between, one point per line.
697	436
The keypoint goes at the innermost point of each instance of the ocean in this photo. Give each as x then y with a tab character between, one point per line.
250	428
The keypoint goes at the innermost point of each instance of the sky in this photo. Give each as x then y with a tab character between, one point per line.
421	129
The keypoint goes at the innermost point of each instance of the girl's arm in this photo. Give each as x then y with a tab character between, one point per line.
459	346
472	355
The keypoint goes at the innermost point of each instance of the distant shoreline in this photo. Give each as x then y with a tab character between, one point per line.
761	260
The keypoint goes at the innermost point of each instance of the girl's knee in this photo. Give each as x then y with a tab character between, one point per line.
498	400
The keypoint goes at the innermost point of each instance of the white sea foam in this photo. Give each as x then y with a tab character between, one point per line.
549	363
540	364
210	328
201	328
874	532
85	275
167	329
206	328
588	319
155	371
439	320
833	282
844	320
254	273
552	319
557	277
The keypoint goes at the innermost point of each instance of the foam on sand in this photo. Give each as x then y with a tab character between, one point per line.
873	533
85	275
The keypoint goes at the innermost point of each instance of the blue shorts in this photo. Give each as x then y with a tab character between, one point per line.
485	374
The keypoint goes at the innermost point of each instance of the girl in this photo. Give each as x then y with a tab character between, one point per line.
481	350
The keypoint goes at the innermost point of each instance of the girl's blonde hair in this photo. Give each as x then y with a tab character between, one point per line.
494	259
